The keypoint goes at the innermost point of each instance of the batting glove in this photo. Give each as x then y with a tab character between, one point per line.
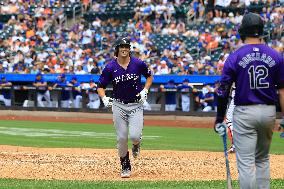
107	101
143	95
220	128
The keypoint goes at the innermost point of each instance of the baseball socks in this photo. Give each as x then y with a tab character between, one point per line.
125	166
136	150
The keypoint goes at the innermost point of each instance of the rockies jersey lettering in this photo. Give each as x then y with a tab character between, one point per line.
126	82
256	69
248	58
126	77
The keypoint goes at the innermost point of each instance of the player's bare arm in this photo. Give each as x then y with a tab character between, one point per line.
44	84
106	100
55	85
148	82
101	92
281	100
7	84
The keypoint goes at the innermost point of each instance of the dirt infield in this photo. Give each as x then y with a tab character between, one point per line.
95	164
98	164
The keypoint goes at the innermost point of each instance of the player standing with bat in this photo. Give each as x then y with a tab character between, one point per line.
258	72
124	72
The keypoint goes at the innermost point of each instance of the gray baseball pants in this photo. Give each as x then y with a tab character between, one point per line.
127	118
253	129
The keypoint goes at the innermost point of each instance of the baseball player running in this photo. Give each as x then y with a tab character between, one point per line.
42	90
258	71
124	72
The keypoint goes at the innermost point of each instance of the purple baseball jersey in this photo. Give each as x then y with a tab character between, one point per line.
126	82
257	71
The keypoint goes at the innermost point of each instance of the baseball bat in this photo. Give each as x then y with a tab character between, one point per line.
229	178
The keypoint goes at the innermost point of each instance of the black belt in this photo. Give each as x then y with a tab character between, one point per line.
127	101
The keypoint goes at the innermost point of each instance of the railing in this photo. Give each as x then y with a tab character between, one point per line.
158	79
156	101
76	9
24	97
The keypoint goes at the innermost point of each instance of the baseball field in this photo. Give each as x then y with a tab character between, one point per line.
75	151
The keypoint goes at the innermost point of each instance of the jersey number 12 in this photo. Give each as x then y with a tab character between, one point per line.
257	75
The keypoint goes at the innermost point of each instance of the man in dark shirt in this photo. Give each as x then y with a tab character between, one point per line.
76	92
170	90
94	99
65	90
5	88
42	91
258	72
2	69
124	72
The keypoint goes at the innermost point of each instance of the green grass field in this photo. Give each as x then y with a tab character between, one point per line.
39	184
70	135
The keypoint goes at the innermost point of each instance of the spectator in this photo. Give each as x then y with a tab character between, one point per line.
41	38
76	92
94	99
185	88
65	90
42	91
170	95
5	87
79	70
206	98
163	68
2	69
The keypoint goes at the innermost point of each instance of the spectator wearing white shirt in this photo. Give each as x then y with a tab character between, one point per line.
97	23
87	37
24	48
160	10
79	70
78	52
41	56
90	64
80	61
163	68
170	10
19	57
28	59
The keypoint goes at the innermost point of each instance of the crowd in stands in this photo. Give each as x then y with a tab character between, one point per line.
173	36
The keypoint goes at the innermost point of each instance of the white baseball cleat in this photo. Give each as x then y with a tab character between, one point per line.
125	166
125	173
